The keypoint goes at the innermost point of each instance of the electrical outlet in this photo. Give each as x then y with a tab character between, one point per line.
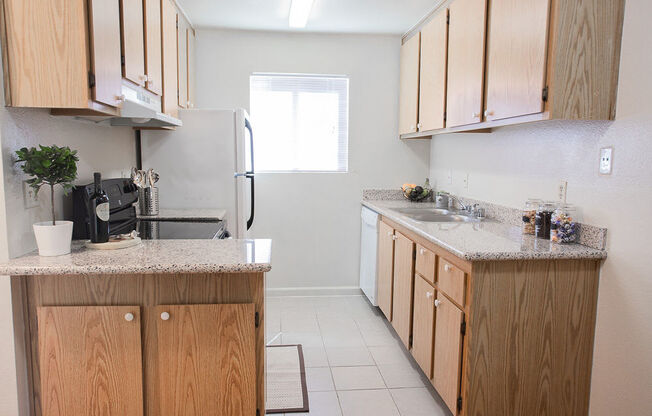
466	181
29	196
562	191
450	177
606	156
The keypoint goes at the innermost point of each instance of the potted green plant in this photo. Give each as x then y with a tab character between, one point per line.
51	166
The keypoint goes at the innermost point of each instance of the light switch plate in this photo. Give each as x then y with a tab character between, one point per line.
606	160
29	196
563	190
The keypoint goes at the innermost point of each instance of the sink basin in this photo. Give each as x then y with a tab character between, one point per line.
435	215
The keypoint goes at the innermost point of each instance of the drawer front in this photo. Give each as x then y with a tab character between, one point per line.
425	264
451	281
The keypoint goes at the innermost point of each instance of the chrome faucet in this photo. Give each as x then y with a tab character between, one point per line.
473	210
462	206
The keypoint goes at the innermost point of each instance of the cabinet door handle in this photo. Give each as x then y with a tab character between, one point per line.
437	303
447	268
389	233
422	251
129	317
429	295
488	113
394	237
165	316
475	115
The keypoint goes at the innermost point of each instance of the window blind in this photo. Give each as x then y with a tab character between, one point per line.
301	122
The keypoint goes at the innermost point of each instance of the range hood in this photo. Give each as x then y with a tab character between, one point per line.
142	109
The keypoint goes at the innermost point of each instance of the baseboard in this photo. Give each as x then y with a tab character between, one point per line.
315	291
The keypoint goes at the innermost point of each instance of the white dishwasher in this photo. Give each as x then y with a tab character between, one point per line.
369	254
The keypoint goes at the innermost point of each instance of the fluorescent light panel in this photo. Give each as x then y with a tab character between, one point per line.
300	12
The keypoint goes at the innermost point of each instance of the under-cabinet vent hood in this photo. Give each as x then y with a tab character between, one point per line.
142	109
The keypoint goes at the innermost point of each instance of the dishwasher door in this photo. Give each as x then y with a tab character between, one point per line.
369	255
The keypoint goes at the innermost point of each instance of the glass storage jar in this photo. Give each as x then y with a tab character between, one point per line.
563	224
530	215
543	219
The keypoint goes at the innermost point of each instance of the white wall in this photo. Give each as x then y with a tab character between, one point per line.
314	219
514	163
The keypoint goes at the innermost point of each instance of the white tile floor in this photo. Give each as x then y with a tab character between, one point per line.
355	364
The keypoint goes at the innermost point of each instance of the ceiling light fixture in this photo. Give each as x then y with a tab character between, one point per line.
300	12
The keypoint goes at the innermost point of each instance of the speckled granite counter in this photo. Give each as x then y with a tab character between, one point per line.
153	256
486	240
198	215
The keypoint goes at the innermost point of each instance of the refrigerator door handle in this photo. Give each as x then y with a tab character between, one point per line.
250	174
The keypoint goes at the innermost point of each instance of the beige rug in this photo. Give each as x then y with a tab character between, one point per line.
286	380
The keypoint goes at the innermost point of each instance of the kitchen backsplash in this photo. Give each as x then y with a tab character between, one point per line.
589	235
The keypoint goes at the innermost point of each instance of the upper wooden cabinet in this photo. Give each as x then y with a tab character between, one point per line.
191	68
182	45
409	100
90	360
133	41
512	62
466	45
170	58
62	54
434	52
153	55
516	58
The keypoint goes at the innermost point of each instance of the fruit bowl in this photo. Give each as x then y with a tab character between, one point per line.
416	193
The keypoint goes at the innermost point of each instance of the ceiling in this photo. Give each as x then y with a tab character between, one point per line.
332	16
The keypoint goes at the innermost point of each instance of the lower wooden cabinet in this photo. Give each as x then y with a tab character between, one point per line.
403	287
423	325
513	330
207	359
90	360
448	352
385	268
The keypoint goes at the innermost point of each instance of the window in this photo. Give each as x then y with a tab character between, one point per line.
301	122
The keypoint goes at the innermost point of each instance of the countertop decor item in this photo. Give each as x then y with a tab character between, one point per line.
417	193
117	242
51	166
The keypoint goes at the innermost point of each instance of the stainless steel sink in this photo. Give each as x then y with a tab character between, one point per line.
435	215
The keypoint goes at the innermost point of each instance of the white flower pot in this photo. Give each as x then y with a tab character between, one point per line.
53	240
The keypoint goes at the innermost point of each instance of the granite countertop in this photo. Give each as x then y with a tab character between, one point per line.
486	240
195	214
152	256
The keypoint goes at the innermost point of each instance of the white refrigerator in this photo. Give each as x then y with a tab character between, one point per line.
206	164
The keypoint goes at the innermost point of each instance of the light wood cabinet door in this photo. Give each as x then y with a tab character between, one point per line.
170	58
90	360
182	45
409	99
403	287
385	268
133	41
424	324
153	52
207	360
191	68
466	47
448	351
516	57
104	23
434	52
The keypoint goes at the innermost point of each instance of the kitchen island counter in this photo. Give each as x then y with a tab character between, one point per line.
151	257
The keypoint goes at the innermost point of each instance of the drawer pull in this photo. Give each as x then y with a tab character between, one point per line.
447	268
437	303
165	316
422	251
129	317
